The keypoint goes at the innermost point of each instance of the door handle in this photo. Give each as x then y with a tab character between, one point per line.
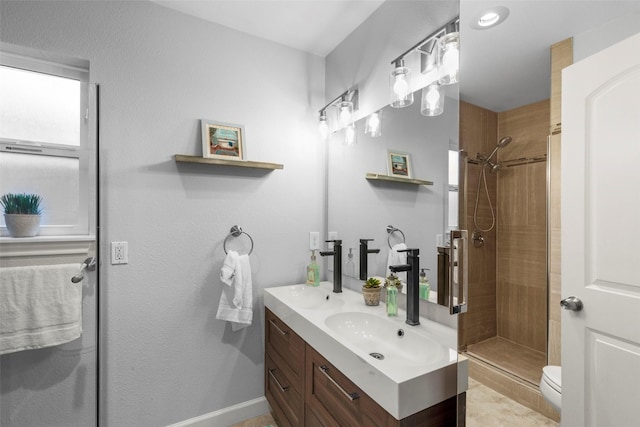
572	303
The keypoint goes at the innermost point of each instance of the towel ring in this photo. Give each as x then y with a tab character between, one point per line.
390	230
236	232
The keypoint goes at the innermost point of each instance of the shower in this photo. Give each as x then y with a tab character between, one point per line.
478	239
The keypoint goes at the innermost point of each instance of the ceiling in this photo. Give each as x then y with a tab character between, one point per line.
501	68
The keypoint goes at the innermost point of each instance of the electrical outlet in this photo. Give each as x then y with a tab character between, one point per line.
119	253
314	240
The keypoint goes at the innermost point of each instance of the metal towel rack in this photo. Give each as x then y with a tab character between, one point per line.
89	264
236	231
390	230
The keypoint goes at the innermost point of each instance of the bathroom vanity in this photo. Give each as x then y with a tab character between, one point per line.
332	361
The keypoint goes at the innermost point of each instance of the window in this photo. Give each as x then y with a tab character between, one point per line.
44	144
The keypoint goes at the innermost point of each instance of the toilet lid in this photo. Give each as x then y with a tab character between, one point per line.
552	375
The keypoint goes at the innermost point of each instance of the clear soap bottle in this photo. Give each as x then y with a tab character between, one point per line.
392	300
423	285
313	271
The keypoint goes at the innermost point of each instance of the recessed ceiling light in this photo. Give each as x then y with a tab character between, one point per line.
489	18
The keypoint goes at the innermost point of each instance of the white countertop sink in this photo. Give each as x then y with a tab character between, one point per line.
419	367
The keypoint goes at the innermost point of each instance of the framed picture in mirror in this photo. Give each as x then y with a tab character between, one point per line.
222	140
399	164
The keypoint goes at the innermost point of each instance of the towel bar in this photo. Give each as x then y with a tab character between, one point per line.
390	230
236	231
88	264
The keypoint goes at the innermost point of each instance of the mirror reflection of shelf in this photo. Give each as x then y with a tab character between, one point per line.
222	162
383	177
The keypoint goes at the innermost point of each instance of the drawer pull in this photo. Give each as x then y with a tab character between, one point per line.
279	330
351	396
282	389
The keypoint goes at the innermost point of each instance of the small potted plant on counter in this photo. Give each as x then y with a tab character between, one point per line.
371	291
21	214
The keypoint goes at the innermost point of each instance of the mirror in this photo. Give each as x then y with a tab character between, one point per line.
361	208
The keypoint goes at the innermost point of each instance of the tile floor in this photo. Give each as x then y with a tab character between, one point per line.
485	408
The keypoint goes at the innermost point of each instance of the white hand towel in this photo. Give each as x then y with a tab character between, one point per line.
239	291
397	258
39	306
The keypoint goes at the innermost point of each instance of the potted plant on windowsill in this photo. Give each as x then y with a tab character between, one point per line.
371	291
22	214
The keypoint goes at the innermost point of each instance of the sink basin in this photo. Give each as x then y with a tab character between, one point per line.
385	339
308	297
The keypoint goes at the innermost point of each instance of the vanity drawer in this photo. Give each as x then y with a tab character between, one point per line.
286	348
285	401
335	400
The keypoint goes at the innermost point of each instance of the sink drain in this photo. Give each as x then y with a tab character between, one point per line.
378	356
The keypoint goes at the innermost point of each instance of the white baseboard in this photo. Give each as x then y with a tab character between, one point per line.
228	416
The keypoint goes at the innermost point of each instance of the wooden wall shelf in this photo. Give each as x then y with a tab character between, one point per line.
182	158
387	178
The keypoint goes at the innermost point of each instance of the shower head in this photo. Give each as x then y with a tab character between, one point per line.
502	143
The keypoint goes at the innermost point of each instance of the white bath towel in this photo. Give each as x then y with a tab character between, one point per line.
236	301
397	258
39	306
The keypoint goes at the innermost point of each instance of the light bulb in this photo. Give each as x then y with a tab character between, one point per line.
373	125
449	58
433	96
323	127
345	113
432	101
350	134
401	87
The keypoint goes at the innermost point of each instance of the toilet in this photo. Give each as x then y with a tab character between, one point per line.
551	386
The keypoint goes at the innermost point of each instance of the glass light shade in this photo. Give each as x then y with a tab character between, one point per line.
432	100
350	134
345	113
400	87
323	127
449	58
373	125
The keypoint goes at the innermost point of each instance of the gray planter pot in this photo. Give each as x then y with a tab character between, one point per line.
19	225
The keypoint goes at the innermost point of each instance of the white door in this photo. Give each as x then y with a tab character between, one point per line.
601	238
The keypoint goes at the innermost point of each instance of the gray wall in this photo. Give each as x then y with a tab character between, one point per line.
166	357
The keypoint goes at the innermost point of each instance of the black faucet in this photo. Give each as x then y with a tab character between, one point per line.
337	264
413	269
364	250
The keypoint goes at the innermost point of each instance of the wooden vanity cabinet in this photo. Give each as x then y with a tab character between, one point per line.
304	389
284	371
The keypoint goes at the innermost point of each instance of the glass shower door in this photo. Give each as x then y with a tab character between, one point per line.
54	384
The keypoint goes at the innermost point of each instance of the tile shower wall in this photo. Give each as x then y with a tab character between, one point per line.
521	272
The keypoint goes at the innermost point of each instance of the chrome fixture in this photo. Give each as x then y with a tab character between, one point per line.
493	167
572	303
89	264
390	230
345	105
413	297
337	263
236	231
439	50
364	260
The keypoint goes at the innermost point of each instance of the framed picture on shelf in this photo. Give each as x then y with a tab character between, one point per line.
222	140
399	164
